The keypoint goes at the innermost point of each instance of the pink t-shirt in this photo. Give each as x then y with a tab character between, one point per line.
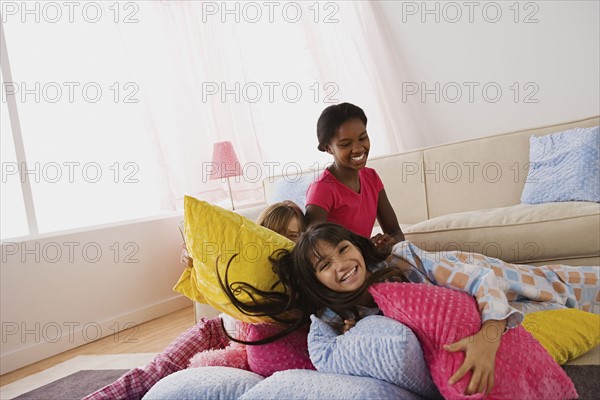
355	211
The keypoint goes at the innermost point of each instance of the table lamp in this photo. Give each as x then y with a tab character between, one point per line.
227	164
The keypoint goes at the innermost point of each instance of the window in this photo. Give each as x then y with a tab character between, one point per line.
89	157
13	219
120	103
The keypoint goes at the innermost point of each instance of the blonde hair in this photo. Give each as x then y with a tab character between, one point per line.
277	216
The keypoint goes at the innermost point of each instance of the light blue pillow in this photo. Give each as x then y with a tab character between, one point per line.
303	384
565	166
293	189
376	347
222	383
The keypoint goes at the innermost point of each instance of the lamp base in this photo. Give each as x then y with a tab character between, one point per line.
230	194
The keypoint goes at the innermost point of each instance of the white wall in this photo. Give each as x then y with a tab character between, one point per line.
58	292
558	55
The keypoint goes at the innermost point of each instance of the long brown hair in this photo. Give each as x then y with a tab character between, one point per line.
304	294
277	216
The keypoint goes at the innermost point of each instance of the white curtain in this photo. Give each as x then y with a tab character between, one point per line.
175	57
278	75
358	53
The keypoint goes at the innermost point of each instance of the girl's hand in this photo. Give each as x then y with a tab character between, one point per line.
348	323
185	257
383	243
480	356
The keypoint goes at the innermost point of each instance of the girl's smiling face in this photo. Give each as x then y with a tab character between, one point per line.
294	229
350	145
340	267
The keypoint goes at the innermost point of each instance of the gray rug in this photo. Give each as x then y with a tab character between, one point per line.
586	379
75	386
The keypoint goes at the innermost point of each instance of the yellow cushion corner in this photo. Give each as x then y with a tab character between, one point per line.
213	233
566	334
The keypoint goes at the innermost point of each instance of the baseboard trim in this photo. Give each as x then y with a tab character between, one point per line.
77	337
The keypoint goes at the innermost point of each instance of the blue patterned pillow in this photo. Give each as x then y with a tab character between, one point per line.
565	166
377	347
291	189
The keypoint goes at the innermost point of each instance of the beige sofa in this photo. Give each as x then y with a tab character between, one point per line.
466	196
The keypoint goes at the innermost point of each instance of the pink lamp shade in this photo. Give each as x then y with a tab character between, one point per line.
225	161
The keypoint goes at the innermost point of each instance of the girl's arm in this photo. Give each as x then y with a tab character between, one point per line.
480	356
185	257
481	283
387	218
447	270
314	215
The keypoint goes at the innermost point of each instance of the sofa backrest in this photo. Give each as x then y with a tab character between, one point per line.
491	171
402	177
470	175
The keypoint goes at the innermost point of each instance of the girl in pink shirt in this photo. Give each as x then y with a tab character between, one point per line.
347	192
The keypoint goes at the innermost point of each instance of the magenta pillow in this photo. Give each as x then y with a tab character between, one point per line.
438	316
289	352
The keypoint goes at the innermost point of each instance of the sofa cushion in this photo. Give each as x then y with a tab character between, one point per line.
592	357
527	234
304	384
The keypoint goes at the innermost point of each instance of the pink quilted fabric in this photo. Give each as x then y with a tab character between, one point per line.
234	356
289	352
438	316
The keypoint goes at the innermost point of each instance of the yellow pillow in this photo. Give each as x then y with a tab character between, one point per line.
566	334
212	232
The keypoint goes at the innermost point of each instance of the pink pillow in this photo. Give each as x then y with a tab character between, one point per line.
234	356
289	352
438	316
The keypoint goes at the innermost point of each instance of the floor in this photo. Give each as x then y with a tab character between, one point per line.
111	352
78	363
